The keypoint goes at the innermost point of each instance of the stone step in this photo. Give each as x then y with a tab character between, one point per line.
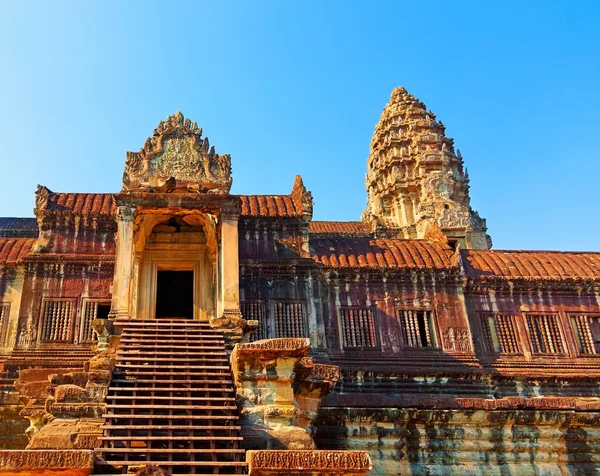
199	358
136	416
178	382
167	464
170	351
170	450
150	343
116	406
161	323
171	367
167	398
172	427
171	438
167	389
194	331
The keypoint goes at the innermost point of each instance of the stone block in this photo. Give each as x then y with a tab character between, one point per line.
70	393
102	363
40	460
308	462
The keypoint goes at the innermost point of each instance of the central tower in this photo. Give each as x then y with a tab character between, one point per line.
415	181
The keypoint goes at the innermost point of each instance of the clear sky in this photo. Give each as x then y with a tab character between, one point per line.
297	87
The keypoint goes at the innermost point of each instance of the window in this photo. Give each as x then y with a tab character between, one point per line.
545	334
417	328
57	318
587	333
358	328
289	319
255	311
92	310
500	333
285	319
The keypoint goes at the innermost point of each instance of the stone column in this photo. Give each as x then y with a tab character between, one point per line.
230	266
121	292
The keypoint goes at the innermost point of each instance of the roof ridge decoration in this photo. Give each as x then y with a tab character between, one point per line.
177	159
302	198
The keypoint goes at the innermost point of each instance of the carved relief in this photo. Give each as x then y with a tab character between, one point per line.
310	460
177	158
457	339
27	334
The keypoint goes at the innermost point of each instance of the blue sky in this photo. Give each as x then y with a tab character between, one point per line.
290	87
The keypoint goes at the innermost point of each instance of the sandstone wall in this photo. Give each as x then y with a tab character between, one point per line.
466	442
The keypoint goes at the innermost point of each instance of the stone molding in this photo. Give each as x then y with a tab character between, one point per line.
323	462
28	460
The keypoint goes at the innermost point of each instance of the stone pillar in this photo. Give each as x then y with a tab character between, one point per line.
230	265
229	318
121	292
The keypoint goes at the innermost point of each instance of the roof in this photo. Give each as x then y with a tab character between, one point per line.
380	253
550	265
18	227
269	206
263	206
84	203
338	228
13	250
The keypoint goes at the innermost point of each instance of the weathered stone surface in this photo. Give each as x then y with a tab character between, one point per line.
313	462
279	390
66	434
33	460
70	393
459	442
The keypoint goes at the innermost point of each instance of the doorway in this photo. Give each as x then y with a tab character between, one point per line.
175	294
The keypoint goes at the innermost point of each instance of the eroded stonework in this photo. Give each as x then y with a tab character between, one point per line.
415	179
177	158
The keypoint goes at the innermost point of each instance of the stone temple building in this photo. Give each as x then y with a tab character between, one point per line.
175	323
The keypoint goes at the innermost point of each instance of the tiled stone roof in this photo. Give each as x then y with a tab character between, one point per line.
552	265
380	253
338	228
18	227
84	203
13	250
269	206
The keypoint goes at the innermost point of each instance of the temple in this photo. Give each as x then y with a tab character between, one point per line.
177	324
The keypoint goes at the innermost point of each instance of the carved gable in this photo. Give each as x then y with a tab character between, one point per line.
177	159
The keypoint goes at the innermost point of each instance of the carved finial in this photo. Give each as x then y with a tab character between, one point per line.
41	197
178	118
302	198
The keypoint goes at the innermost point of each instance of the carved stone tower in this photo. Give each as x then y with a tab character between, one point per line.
415	181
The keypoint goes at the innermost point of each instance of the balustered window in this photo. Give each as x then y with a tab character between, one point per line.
92	310
358	328
4	311
500	332
545	335
288	319
256	310
57	320
417	328
587	333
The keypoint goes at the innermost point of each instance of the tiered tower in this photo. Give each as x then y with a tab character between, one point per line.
415	181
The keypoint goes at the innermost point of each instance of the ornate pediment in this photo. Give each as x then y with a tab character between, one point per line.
177	159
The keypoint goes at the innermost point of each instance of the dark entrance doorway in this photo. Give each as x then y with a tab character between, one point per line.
175	294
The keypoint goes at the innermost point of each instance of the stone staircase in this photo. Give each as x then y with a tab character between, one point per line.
171	401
